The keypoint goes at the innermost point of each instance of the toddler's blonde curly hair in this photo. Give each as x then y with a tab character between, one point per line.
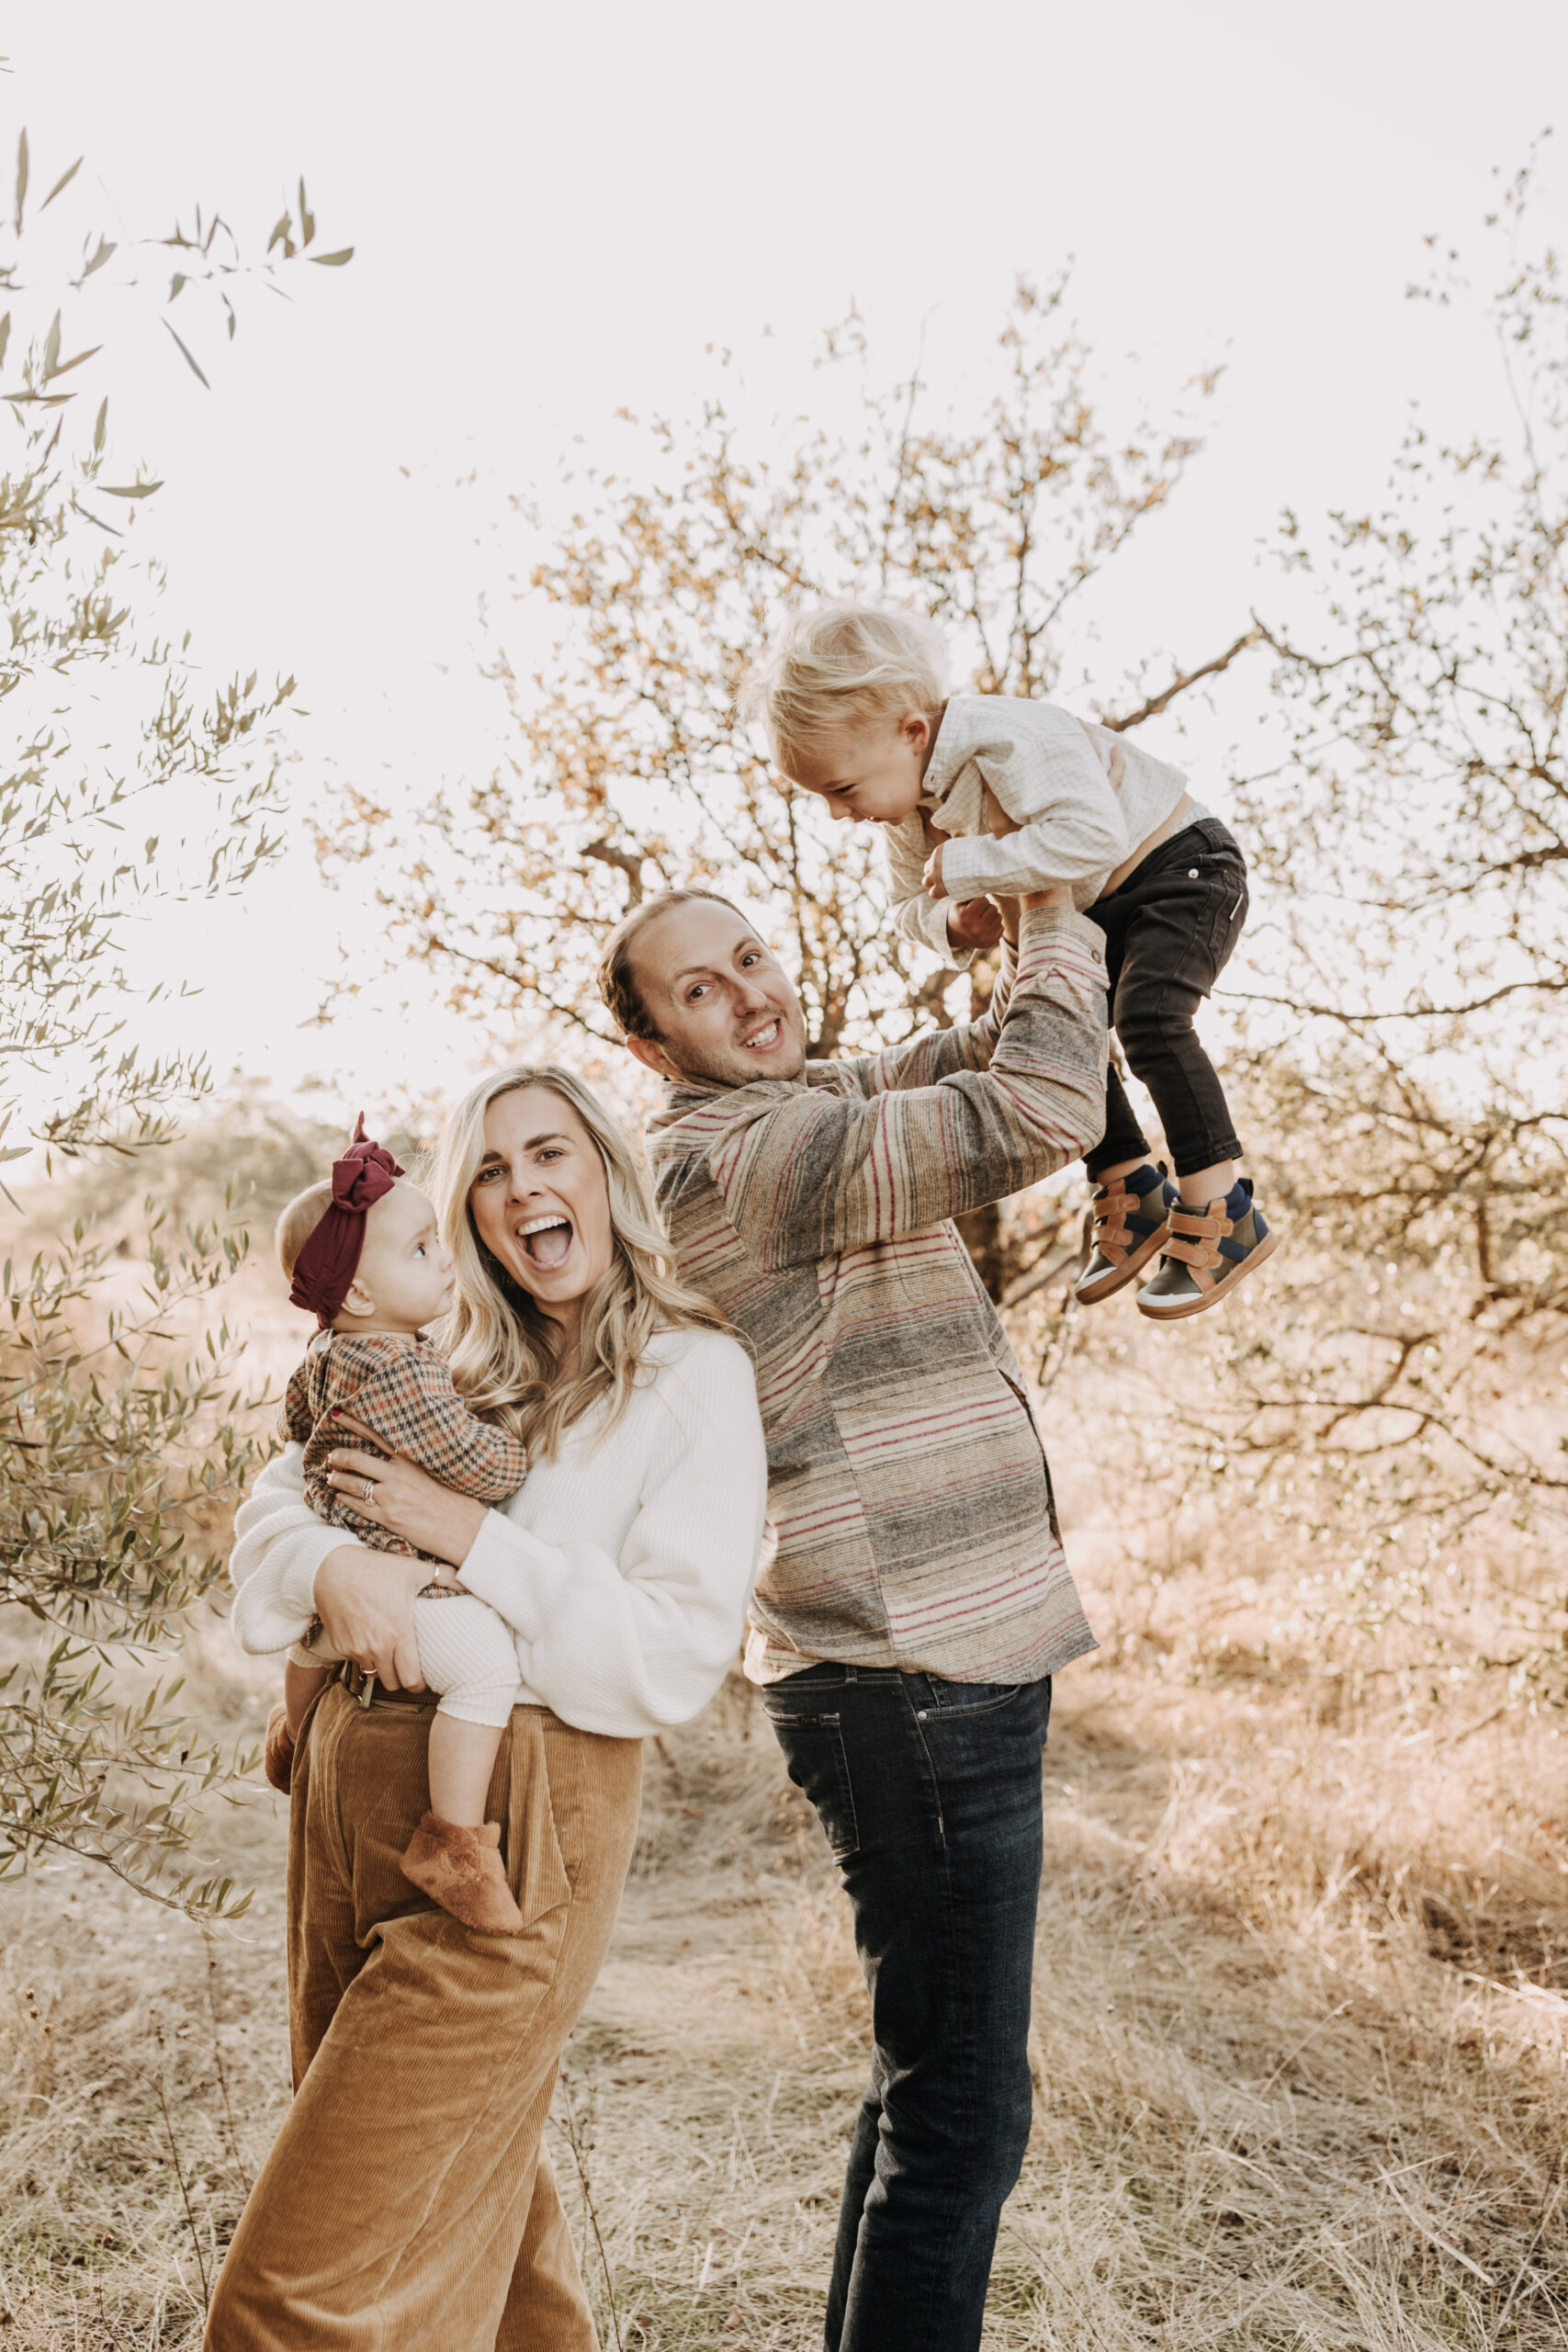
838	667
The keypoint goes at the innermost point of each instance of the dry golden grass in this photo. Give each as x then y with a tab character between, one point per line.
1293	2087
1302	2000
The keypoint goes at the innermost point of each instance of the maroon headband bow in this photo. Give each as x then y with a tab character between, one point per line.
325	1268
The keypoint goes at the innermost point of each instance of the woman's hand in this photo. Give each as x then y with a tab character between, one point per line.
399	1495
365	1600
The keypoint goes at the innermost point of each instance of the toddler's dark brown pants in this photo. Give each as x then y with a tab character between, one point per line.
409	2200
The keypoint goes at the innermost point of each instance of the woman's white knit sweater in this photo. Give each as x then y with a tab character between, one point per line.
624	1566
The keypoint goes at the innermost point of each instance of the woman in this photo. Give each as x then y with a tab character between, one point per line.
409	2200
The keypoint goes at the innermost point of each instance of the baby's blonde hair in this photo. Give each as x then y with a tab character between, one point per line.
299	1221
838	666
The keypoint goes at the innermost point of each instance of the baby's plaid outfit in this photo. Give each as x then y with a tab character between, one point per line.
402	1390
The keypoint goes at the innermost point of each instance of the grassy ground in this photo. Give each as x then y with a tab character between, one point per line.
1301	2056
1301	1990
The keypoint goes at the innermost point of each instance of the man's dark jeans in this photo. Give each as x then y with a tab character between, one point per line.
929	1793
1169	931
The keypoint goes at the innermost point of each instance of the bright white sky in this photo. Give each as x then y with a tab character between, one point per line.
555	209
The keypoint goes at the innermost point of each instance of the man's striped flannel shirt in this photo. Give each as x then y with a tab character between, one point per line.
907	1484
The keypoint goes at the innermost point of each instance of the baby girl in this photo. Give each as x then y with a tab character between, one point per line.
364	1253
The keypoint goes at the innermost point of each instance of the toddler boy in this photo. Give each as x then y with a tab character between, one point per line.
982	796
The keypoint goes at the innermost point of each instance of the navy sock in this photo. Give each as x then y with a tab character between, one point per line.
1141	1179
1238	1200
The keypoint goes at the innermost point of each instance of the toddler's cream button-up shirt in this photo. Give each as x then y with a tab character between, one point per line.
1083	796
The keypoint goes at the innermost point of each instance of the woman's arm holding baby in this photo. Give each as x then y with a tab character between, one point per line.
630	1640
288	1565
280	1544
365	1600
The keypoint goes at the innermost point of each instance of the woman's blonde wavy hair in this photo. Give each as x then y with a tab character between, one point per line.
500	1350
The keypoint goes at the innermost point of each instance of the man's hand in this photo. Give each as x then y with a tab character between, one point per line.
932	877
972	923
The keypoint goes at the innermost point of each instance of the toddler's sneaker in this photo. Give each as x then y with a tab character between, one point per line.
1132	1221
1209	1252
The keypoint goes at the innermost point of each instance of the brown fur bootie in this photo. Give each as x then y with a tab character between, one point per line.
277	1751
460	1868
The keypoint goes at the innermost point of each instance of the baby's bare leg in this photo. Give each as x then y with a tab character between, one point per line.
462	1758
300	1684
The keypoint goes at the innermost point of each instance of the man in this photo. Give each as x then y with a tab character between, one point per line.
908	1628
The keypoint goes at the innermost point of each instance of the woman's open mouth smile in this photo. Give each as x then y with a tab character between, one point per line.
546	1241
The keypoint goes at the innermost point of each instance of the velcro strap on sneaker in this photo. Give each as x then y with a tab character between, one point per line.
1196	1254
1117	1219
1107	1228
1111	1211
1210	1223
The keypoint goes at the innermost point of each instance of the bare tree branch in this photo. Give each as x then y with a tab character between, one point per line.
1183	679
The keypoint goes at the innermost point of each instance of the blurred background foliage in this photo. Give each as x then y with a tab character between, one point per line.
123	1436
1302	2059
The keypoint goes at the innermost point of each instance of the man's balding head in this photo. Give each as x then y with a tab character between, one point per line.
618	983
697	994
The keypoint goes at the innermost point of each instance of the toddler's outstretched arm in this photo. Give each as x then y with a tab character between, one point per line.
1035	856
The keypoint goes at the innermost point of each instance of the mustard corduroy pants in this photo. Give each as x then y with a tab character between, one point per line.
409	2200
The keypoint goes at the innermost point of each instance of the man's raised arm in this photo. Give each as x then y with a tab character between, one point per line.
963	1045
953	1120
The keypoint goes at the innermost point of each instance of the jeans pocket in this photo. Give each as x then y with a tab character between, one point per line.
949	1699
1228	910
815	1759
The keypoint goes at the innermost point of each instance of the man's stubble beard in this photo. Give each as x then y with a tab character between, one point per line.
696	1069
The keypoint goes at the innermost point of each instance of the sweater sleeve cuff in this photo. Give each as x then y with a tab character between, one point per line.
933	933
310	1548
